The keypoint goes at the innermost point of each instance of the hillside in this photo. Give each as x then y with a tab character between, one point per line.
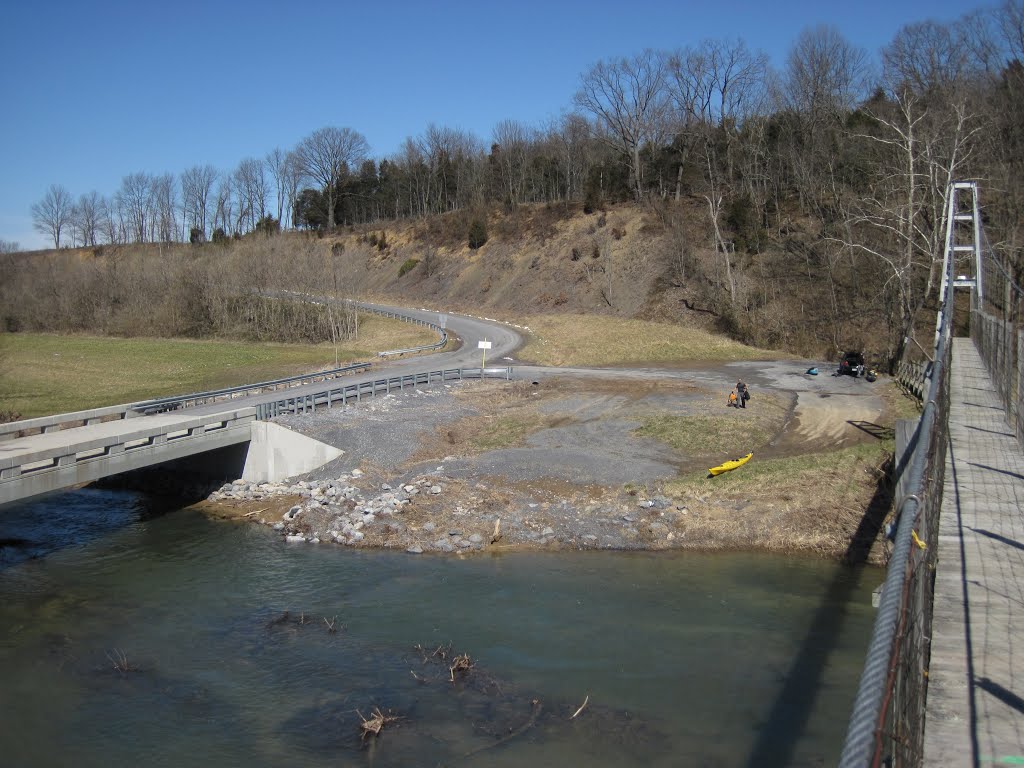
651	262
782	288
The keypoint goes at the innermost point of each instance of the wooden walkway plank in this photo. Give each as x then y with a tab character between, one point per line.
975	706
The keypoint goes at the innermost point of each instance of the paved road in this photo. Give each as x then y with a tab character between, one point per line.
464	334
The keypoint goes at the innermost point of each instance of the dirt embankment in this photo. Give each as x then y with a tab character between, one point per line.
594	462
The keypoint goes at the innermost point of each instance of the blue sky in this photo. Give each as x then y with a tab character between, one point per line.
91	91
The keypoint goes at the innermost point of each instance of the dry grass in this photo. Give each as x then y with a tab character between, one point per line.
568	340
506	416
812	502
719	430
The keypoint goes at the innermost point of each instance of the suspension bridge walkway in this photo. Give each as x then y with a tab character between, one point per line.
943	682
975	711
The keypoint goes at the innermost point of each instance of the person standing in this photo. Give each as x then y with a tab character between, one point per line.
742	393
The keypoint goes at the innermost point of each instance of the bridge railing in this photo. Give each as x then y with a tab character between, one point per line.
336	396
1001	347
887	724
913	377
58	454
45	424
217	395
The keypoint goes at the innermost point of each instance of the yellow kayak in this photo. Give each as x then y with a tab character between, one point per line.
728	465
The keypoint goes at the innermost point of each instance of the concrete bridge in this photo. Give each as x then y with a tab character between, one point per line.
72	449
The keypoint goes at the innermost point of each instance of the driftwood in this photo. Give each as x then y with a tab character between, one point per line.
460	664
372	726
582	707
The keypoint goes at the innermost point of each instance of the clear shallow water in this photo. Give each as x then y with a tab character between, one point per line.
687	659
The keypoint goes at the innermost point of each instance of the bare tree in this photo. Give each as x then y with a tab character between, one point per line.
627	96
53	213
714	88
825	75
511	141
135	200
9	246
111	220
88	215
165	205
325	155
196	185
223	210
924	135
277	163
1010	18
571	137
251	183
927	56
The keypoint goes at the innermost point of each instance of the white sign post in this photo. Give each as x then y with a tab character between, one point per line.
484	345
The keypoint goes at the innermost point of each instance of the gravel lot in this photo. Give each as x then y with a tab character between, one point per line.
441	469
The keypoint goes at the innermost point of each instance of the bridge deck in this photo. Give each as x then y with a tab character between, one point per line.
975	708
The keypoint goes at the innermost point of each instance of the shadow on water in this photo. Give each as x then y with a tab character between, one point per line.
48	524
45	524
781	731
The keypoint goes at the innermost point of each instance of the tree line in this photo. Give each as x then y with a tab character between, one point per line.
241	294
862	146
713	119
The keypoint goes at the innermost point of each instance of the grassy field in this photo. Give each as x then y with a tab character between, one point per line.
722	431
41	374
598	340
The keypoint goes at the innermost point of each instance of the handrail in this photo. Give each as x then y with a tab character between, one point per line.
893	683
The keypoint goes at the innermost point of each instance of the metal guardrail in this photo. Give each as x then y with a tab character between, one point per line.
162	405
440	344
331	397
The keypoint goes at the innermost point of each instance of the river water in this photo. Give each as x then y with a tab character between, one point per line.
131	634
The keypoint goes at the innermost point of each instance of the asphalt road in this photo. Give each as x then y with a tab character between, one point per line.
464	335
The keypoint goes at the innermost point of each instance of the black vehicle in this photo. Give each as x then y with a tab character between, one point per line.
852	364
